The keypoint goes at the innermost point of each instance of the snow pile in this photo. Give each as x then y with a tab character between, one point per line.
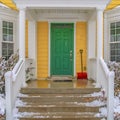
97	94
15	110
2	104
117	107
95	103
19	103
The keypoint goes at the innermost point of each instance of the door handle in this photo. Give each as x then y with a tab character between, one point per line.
70	51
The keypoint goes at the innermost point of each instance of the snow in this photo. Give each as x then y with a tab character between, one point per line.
103	110
2	104
95	103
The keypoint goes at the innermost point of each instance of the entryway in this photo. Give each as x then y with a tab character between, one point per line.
62	49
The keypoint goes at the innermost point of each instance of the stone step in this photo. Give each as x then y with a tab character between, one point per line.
62	114
43	104
56	99
80	118
59	90
59	116
60	104
58	109
59	95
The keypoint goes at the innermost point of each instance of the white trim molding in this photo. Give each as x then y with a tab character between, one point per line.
83	4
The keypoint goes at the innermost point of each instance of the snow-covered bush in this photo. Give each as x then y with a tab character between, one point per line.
6	65
114	66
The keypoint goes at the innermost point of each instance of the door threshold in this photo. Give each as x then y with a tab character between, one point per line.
62	77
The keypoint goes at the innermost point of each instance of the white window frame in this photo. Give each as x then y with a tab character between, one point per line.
110	16
13	42
114	42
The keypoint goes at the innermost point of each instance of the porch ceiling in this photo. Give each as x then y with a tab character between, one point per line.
10	3
36	4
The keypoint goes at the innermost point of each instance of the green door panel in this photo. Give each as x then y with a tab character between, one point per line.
62	54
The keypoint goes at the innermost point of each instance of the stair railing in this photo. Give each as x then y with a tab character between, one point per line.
107	81
13	82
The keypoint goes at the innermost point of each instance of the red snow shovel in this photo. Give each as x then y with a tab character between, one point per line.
81	75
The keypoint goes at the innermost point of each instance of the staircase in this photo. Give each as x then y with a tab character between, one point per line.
57	104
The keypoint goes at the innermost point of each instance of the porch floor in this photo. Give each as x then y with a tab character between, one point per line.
83	83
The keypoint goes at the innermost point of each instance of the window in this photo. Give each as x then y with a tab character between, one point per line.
115	41
7	41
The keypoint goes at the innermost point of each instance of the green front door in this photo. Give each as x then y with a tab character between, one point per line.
62	44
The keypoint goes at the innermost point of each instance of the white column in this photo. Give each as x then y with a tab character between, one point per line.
32	39
22	33
22	39
32	46
99	40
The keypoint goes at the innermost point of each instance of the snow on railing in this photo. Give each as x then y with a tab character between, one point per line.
13	82
107	82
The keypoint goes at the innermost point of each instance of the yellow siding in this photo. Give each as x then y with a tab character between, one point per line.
26	39
42	49
81	43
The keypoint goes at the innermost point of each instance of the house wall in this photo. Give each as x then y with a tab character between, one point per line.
10	16
42	49
110	16
81	43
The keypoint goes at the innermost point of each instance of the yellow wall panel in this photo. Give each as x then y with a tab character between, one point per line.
26	39
42	49
81	43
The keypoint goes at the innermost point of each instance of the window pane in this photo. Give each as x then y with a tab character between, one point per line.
7	31
10	46
10	37
118	25
118	45
4	37
112	46
7	50
112	32
117	31
4	45
10	52
112	25
118	38
11	31
4	24
4	52
10	25
117	58
112	58
112	38
4	31
112	52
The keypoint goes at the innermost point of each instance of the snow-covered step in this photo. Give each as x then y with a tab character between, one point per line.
59	104
75	118
65	104
57	99
94	94
59	90
59	109
58	116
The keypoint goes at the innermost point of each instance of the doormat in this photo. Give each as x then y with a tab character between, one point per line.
62	80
